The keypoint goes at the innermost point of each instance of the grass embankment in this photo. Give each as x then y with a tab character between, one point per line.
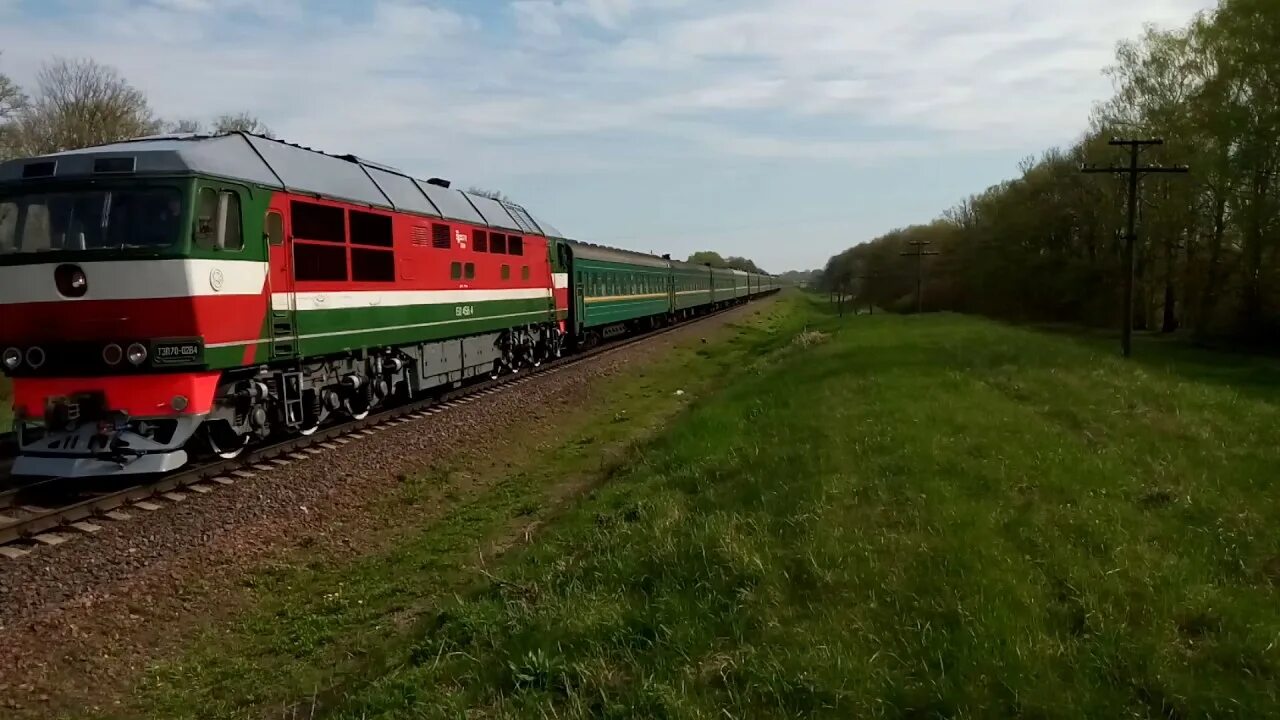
317	631
912	517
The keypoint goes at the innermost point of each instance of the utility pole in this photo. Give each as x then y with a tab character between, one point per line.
871	303
919	253
1135	173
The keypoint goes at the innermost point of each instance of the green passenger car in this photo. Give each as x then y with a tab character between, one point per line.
613	289
722	286
692	287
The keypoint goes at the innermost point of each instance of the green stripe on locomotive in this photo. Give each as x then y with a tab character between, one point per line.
322	332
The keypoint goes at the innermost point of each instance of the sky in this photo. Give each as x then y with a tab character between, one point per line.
779	130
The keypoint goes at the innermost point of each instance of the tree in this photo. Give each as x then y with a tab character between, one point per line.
185	127
226	123
712	258
241	122
491	194
78	103
1046	245
12	100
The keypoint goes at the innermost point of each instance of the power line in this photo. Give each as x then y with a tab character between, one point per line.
1135	173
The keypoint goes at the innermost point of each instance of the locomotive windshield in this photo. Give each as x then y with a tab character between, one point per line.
99	219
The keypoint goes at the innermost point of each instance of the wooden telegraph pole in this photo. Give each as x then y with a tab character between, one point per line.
919	253
1134	173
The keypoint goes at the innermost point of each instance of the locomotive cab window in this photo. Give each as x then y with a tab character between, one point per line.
515	245
218	220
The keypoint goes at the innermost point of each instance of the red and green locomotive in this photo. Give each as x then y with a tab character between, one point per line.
169	293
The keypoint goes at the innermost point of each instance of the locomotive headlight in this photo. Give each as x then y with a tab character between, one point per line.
12	358
35	356
137	353
112	354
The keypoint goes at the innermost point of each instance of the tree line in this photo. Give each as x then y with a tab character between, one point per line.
1046	246
733	262
76	103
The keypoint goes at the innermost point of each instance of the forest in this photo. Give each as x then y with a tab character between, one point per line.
1047	246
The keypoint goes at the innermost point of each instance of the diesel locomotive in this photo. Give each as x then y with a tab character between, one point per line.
174	296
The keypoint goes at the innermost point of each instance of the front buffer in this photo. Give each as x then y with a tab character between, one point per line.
109	426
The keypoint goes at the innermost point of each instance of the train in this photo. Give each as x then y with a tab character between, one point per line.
175	297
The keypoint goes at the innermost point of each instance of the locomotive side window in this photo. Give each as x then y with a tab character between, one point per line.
206	214
8	226
455	271
506	272
524	273
376	260
319	248
369	265
229	235
469	271
515	245
371	229
275	228
480	241
498	243
318	222
218	220
319	262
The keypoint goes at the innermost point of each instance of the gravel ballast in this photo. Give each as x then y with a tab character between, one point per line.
89	613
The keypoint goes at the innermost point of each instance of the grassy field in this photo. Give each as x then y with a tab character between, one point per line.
925	517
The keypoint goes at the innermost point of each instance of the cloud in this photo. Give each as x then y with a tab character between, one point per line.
989	72
593	90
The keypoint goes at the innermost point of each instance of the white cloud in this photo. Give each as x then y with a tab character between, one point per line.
993	71
593	88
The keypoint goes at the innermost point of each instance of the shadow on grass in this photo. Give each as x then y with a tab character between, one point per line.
1251	374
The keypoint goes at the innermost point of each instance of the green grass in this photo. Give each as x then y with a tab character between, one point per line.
317	630
931	516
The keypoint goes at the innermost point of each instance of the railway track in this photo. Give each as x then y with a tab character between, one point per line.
35	514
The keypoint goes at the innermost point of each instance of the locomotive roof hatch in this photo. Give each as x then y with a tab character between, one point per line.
272	163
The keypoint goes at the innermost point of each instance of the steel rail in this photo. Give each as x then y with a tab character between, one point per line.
45	520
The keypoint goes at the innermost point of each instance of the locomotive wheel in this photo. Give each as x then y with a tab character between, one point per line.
224	443
357	409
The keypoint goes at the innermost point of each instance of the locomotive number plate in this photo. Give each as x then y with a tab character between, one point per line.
464	310
179	352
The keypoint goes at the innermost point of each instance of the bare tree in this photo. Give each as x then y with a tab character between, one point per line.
11	101
185	126
491	194
79	103
241	122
